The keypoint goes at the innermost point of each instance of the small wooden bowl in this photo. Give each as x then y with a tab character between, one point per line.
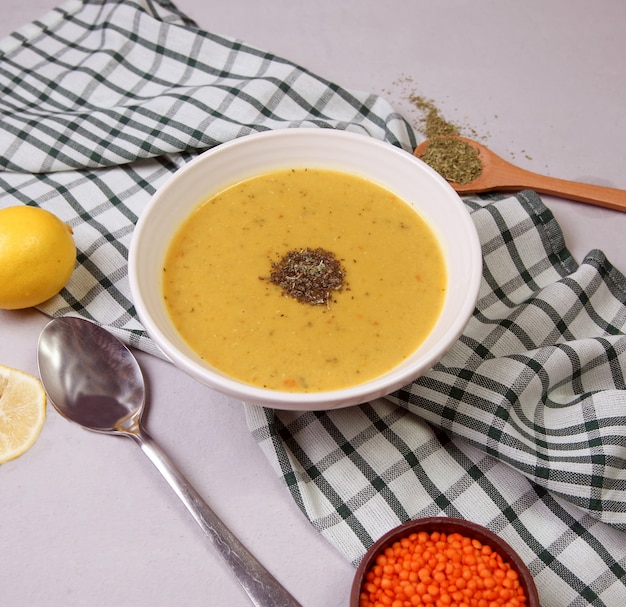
446	525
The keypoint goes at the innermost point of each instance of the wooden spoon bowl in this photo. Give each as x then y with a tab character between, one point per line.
500	175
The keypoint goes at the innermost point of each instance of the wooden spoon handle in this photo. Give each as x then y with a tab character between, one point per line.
517	179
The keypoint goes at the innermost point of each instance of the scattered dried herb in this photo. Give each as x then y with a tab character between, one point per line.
454	159
308	275
435	125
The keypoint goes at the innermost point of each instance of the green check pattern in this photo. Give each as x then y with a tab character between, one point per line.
102	100
521	427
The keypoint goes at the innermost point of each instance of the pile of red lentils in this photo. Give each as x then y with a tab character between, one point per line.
441	570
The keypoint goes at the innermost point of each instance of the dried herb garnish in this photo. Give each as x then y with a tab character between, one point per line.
309	275
454	159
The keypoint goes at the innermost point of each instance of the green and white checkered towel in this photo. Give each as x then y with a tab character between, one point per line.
521	427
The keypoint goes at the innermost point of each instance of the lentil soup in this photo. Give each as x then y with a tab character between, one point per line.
388	286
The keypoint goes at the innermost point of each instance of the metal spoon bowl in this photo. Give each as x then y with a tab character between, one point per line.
92	379
500	175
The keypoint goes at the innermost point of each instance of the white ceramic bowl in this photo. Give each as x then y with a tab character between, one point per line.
395	169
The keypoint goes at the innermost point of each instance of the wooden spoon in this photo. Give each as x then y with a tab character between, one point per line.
498	174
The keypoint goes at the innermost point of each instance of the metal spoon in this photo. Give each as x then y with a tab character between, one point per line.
94	380
498	174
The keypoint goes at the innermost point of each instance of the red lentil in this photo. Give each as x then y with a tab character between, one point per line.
441	570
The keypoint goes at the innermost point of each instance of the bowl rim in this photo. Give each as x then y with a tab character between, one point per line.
446	524
328	399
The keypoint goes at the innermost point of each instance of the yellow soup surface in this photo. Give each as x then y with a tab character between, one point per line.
217	292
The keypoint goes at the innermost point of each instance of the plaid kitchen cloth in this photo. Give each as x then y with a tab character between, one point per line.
102	100
522	425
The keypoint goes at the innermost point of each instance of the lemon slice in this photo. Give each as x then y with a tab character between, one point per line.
22	412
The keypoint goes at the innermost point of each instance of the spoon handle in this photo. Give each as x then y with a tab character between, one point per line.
511	177
262	588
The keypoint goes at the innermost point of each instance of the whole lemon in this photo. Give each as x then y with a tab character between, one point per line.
37	256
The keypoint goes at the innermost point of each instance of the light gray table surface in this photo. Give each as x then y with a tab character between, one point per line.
84	518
